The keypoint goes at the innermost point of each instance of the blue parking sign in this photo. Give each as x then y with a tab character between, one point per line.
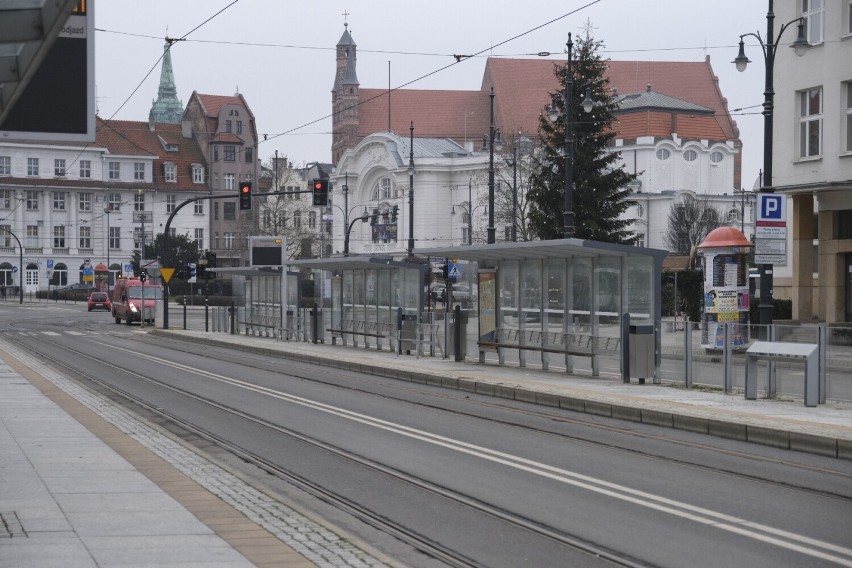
771	207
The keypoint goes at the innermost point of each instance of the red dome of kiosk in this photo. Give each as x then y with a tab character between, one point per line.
101	267
725	237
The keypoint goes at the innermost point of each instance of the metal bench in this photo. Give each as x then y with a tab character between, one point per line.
365	329
806	353
568	344
262	325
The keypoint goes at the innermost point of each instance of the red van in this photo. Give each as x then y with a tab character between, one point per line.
134	300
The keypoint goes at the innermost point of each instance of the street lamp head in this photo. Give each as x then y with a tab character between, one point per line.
801	45
588	104
741	61
553	112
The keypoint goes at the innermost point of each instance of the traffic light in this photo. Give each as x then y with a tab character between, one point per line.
320	192
245	196
143	276
374	219
211	259
200	271
394	214
445	270
191	272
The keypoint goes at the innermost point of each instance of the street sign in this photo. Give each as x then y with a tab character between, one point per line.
167	274
454	270
770	229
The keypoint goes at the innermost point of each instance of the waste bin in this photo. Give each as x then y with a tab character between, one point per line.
459	324
641	354
408	333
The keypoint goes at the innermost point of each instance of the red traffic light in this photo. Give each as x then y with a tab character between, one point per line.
245	196
320	192
318	184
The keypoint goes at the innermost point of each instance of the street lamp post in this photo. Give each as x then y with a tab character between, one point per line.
514	191
411	192
491	238
568	111
20	265
769	47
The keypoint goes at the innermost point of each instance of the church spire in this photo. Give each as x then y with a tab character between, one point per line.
167	109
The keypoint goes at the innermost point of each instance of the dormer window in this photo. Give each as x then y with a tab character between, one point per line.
170	171
197	173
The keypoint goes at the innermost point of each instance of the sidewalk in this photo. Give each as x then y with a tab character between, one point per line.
825	429
83	484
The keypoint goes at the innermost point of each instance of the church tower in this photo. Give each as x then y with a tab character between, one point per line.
344	98
167	109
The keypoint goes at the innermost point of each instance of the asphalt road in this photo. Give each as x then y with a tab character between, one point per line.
491	482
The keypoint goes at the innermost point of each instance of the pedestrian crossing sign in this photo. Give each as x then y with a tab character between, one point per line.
454	271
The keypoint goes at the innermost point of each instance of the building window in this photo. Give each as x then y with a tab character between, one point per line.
812	12
85	168
139	171
230	181
32	200
199	208
171	171
59	201
171	203
199	238
84	202
848	18
228	239
5	237
810	123
230	153
848	123
32	237
5	199
59	167
239	127
59	236
114	203
115	238
664	154
85	237
197	174
114	170
717	157
249	155
312	219
227	126
216	210
690	155
5	165
215	153
297	220
139	201
229	211
32	166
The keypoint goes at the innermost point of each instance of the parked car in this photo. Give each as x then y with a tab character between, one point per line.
462	293
99	301
79	291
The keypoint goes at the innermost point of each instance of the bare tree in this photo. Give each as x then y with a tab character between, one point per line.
690	221
514	184
289	214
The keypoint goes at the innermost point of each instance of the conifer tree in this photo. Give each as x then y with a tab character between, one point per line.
600	191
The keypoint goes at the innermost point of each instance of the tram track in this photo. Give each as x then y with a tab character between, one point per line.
308	372
410	537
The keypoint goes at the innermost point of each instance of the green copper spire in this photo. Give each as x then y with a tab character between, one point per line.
167	109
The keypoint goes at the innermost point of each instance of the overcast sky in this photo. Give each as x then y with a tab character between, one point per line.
281	55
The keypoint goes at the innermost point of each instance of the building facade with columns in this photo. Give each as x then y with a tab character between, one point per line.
812	151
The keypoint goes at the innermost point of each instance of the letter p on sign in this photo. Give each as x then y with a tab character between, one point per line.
771	207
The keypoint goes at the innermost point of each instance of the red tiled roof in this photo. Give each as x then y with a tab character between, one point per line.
124	137
213	103
523	89
227	137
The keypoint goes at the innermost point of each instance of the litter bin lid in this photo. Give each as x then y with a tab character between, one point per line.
641	329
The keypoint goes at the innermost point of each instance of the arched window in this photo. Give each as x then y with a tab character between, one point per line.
383	190
716	157
5	274
690	155
60	275
663	154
